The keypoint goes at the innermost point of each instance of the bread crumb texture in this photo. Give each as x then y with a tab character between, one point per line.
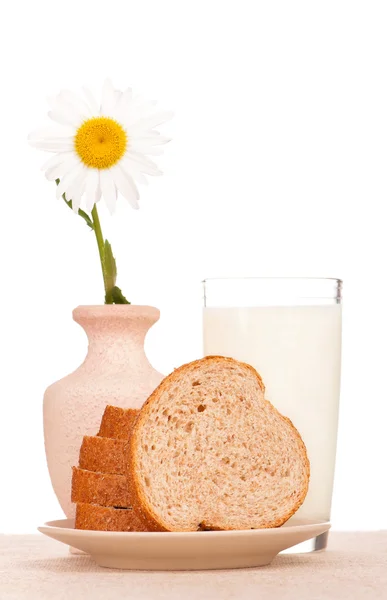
209	452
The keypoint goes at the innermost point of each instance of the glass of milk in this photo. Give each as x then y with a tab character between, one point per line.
289	329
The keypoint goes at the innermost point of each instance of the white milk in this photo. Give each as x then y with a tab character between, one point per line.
297	352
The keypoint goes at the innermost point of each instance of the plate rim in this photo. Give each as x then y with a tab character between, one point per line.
178	534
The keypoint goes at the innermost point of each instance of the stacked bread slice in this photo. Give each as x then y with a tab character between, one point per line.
99	483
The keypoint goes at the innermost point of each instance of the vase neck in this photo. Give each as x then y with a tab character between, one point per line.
116	333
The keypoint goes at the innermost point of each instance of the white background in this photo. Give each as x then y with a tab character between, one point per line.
277	168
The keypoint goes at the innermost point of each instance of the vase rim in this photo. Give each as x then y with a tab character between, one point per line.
115	310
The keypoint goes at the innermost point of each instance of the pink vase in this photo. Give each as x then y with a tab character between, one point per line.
116	371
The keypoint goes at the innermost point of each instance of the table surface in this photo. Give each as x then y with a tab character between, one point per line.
354	566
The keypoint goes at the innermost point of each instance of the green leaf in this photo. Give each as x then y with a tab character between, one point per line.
118	297
81	212
110	267
113	293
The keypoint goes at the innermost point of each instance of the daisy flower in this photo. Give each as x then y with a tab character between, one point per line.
100	151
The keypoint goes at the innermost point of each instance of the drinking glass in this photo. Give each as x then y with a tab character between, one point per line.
289	330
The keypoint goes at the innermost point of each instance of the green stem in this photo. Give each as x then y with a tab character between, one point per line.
113	294
101	248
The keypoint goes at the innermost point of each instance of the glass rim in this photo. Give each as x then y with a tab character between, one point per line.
227	291
294	279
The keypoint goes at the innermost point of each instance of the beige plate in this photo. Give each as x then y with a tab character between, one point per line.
180	551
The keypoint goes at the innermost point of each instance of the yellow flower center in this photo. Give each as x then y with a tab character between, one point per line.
100	142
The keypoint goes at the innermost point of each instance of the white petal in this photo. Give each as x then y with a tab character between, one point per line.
141	104
140	178
77	103
109	99
63	112
75	191
68	179
152	121
138	109
145	164
125	185
99	194
64	167
56	160
76	200
48	133
54	173
108	189
151	138
114	112
134	172
146	149
53	145
133	169
59	117
122	105
91	188
94	108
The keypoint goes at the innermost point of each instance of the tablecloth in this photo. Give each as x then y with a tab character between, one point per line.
354	567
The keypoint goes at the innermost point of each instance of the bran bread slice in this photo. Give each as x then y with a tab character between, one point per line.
117	422
99	484
208	451
103	455
103	518
104	489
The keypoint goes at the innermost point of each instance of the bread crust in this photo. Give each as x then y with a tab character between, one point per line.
138	499
118	422
103	518
103	455
99	488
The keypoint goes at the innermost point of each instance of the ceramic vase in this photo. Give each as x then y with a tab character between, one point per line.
116	371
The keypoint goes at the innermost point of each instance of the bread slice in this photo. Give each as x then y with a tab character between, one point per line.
117	422
103	518
99	484
99	488
209	452
103	455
